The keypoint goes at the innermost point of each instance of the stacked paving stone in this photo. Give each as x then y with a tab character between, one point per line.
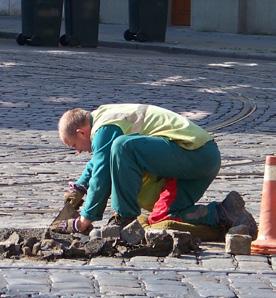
238	241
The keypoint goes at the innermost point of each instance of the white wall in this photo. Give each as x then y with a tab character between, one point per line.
261	17
4	7
10	7
217	15
235	16
114	11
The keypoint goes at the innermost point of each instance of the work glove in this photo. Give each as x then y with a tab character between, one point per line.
68	226
74	195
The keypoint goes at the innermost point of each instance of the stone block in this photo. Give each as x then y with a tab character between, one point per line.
133	233
81	237
95	233
110	231
51	254
159	242
154	235
74	252
94	247
51	249
26	251
238	244
48	243
2	248
182	242
172	241
75	243
29	242
14	238
36	248
241	230
12	250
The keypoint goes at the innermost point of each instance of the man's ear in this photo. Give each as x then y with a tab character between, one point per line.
83	131
80	131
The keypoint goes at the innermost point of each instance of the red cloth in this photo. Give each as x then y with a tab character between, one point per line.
161	208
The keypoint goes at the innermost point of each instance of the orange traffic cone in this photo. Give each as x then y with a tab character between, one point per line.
266	241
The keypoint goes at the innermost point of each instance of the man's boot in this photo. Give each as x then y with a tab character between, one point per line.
120	221
232	212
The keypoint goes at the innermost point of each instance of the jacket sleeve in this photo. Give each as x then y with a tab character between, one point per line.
86	175
99	187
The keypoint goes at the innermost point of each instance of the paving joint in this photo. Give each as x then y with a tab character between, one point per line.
131	269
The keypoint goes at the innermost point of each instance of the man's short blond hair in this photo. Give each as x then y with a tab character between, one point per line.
70	121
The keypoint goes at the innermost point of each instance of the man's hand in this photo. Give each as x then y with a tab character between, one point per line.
72	225
83	224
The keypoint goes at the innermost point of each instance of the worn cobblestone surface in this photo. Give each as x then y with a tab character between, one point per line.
39	84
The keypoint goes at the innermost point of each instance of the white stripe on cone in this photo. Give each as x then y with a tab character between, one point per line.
270	173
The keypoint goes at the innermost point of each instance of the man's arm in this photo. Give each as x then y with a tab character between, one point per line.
100	182
74	195
86	175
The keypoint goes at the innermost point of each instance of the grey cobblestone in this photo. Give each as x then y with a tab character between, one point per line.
213	257
162	284
154	283
118	283
253	263
209	286
251	285
105	261
120	290
143	262
254	266
185	261
22	282
218	264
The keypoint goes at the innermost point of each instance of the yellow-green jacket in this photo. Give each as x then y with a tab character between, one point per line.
110	121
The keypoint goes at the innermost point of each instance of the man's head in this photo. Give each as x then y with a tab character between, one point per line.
74	129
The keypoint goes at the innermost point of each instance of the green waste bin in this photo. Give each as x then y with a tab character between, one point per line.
41	22
147	20
81	23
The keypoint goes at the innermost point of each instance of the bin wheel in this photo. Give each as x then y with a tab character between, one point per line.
74	42
21	39
128	36
64	40
140	36
33	41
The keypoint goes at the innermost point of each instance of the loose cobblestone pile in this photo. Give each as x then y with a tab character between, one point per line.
133	240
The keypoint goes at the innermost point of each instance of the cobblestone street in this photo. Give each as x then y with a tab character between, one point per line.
234	99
